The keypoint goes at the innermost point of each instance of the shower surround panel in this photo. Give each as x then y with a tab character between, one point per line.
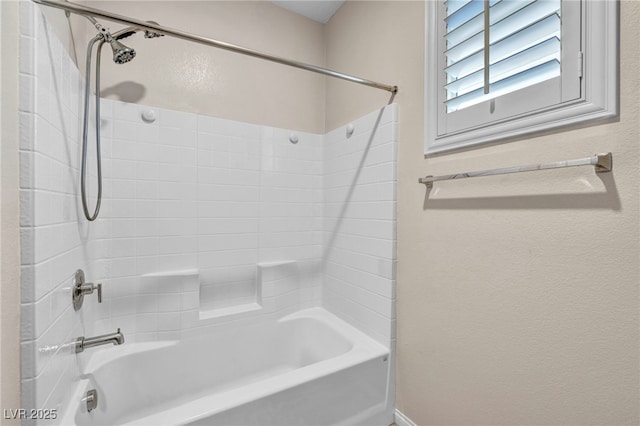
359	224
205	223
54	241
222	198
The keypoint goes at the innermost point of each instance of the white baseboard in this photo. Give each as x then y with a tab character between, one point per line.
402	420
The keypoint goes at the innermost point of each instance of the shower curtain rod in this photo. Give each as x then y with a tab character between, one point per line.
97	13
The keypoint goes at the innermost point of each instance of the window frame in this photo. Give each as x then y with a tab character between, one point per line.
598	100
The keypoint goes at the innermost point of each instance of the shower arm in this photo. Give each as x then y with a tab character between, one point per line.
92	13
101	29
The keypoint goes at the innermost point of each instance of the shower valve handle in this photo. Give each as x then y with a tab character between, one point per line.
99	288
89	288
80	288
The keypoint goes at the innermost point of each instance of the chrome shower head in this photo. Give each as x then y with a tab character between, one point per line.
121	53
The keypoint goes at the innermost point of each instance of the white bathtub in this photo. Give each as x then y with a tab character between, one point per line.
309	368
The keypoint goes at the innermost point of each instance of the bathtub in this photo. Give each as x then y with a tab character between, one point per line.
308	368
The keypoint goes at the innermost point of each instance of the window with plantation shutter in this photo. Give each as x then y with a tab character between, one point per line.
517	46
502	68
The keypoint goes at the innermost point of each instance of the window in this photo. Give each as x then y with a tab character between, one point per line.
499	69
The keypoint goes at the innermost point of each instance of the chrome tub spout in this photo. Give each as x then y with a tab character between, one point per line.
82	343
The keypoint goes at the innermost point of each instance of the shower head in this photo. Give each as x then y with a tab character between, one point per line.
121	53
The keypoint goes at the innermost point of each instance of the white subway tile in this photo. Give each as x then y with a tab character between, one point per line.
27	18
169	321
147	209
170	302
122	189
147	300
123	149
184	120
218	242
190	300
128	112
212	226
27	49
143	170
380	304
125	169
147	322
177	261
227	258
176	245
167	227
146	265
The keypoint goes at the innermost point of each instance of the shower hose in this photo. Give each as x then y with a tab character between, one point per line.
83	173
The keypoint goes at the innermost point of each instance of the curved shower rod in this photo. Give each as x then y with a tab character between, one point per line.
97	13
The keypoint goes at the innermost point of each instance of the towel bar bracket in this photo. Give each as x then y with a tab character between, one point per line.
604	163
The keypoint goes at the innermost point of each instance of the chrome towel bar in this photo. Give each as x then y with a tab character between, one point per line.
602	163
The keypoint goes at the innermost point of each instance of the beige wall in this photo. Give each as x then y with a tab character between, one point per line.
178	74
9	213
517	295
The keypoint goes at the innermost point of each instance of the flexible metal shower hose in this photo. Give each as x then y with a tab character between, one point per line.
83	172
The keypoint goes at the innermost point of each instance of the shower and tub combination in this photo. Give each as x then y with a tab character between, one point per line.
248	271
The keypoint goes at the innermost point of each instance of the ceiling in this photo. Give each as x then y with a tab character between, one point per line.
318	10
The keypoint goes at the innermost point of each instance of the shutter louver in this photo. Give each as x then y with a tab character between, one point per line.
524	48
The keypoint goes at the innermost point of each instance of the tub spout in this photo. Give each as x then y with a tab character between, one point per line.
82	343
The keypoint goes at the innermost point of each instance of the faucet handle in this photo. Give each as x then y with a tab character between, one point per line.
81	287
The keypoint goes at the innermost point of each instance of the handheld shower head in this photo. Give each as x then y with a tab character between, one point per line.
121	53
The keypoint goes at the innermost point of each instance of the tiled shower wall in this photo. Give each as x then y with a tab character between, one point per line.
204	220
359	223
54	240
195	195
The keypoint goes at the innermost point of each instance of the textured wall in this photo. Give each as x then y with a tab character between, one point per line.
517	296
185	76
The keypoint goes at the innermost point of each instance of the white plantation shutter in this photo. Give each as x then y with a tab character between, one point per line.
523	48
521	56
498	69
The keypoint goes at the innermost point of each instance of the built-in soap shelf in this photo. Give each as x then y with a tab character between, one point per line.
179	281
270	280
206	314
250	293
277	278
